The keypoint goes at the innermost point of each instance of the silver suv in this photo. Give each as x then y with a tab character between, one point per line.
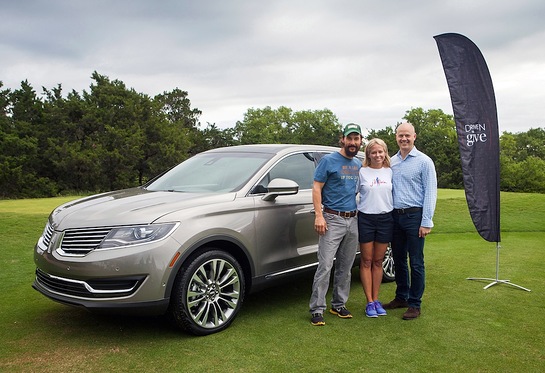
192	242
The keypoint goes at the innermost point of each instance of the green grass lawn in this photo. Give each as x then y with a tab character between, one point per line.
463	328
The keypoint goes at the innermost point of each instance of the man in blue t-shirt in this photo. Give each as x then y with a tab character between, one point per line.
334	199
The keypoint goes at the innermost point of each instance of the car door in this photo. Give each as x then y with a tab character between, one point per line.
286	239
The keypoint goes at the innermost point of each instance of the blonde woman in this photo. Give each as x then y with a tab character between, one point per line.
375	221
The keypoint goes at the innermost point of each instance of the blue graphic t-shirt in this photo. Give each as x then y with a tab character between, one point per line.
340	177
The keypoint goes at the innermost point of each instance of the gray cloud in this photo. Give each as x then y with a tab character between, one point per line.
367	61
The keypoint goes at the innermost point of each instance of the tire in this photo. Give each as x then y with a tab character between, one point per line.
208	293
388	269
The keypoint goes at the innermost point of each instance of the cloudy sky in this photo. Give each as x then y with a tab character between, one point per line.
368	61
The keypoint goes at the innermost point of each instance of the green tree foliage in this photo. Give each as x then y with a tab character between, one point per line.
522	161
112	137
109	137
320	127
283	126
182	119
20	134
212	137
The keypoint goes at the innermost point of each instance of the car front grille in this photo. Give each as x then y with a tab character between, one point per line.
74	242
79	242
47	235
96	288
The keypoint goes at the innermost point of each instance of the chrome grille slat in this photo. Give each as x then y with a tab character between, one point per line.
82	241
80	244
48	234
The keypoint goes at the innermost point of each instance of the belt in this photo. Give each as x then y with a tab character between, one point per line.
407	210
344	214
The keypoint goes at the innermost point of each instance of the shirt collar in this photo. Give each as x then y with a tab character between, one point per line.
413	153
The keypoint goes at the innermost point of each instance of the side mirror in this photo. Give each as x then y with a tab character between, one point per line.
280	187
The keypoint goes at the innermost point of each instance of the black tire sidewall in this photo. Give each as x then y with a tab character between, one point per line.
180	310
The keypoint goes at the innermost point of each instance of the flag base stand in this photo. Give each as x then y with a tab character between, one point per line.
496	280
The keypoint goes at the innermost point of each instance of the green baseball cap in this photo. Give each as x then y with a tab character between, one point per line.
351	127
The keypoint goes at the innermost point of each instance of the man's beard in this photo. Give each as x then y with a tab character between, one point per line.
349	152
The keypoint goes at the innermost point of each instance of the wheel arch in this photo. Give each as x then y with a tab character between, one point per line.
226	243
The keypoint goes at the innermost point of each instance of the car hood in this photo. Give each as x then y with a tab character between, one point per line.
129	206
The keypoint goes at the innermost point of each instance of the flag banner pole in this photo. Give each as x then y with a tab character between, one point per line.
475	115
496	280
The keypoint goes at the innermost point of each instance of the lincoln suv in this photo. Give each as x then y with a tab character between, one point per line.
192	242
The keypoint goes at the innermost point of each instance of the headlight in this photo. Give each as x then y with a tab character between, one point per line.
135	235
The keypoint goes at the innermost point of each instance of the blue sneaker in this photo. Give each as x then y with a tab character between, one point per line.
380	310
370	310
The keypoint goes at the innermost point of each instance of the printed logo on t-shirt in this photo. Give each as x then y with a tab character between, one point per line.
376	182
350	172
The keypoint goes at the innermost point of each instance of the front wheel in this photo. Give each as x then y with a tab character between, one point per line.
208	293
388	269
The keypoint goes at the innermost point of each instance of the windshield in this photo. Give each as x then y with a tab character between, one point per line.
214	172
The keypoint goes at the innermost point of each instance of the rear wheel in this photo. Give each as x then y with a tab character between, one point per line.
388	269
208	293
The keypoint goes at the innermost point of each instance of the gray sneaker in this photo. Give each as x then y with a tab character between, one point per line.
342	312
317	319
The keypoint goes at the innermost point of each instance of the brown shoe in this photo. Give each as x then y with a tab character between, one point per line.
411	313
396	303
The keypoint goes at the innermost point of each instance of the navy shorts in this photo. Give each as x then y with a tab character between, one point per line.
375	227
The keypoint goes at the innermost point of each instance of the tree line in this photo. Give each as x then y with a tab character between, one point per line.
112	137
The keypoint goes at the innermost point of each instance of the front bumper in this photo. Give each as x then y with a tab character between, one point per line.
125	278
43	284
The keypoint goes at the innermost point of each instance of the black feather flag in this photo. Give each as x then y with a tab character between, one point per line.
475	114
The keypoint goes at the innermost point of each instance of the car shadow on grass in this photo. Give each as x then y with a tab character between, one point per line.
71	321
290	296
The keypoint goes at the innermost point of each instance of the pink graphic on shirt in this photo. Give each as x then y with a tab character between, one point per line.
377	181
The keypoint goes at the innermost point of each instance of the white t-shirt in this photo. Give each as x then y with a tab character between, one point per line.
375	189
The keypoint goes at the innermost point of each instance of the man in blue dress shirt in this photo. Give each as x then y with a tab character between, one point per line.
415	194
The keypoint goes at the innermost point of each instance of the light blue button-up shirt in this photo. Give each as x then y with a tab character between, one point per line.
415	184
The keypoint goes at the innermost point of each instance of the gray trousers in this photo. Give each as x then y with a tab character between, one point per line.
338	245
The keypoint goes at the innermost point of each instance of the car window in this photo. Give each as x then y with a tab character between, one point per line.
213	172
297	167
